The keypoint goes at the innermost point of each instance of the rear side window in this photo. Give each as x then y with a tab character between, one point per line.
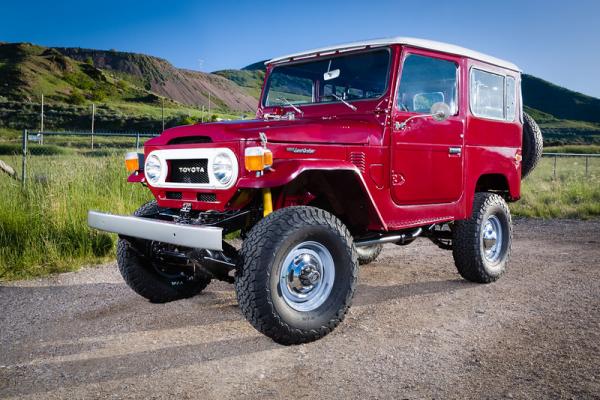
426	81
492	95
487	94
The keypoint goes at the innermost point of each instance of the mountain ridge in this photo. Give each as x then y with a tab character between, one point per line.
78	76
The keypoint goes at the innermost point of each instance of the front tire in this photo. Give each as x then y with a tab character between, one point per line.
297	274
481	244
147	277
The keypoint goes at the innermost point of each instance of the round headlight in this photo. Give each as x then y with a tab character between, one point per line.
152	169
222	168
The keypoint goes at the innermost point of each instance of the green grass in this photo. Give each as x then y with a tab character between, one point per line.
571	194
43	226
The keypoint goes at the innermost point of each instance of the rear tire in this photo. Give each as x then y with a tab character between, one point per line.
481	244
368	254
142	275
533	145
296	275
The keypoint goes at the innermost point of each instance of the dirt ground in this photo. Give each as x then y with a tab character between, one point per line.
415	330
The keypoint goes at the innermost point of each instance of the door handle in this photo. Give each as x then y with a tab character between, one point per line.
455	150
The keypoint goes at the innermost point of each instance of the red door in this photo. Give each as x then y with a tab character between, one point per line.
427	155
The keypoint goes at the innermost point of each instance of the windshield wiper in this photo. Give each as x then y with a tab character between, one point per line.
353	108
289	103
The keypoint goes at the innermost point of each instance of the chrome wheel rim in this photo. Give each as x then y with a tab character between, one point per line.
306	276
491	239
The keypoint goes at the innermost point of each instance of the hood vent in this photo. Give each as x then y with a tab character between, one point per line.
358	158
190	140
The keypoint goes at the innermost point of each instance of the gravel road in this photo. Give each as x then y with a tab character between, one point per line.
415	330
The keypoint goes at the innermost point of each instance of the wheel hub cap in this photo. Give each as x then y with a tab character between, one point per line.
492	239
306	276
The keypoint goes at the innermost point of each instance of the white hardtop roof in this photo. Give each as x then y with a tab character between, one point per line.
421	43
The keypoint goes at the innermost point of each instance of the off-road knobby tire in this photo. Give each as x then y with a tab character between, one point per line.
257	277
533	145
467	236
141	276
368	254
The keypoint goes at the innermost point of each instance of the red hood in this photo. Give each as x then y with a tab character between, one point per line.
361	129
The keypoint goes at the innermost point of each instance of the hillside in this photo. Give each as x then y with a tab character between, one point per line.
160	77
131	87
74	75
558	101
27	70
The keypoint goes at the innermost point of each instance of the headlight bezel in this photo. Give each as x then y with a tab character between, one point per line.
153	172
222	163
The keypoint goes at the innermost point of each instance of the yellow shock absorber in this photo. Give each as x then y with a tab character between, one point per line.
267	202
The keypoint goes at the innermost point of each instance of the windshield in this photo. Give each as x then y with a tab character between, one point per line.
333	79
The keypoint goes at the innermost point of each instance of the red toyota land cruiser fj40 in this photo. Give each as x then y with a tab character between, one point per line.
353	146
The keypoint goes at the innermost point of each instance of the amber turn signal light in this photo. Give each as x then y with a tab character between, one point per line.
257	158
132	162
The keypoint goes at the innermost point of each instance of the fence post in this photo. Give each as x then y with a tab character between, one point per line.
137	141
554	169
24	155
586	165
93	117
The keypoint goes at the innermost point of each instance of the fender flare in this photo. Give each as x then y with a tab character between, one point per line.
285	171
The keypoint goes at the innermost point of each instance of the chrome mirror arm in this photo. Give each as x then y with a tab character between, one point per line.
401	125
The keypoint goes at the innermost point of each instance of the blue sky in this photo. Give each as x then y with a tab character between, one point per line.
555	40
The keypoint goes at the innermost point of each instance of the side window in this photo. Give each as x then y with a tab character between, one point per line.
426	81
511	98
487	94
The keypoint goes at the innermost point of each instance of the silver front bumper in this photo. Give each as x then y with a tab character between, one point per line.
202	237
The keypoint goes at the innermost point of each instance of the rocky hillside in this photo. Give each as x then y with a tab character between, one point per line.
160	77
75	75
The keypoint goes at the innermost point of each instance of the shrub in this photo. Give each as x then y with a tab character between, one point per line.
76	98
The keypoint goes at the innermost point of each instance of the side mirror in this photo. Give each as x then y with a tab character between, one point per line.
440	111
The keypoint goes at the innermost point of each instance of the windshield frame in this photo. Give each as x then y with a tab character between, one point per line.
384	93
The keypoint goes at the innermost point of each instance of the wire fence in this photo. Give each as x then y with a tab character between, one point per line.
36	150
589	160
26	159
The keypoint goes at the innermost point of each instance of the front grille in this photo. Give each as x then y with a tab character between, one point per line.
208	197
174	195
189	171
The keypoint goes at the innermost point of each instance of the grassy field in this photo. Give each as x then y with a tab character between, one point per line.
43	226
571	194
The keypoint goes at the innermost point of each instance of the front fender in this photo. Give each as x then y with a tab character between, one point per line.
285	171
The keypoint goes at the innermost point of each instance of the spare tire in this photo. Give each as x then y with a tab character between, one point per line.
533	145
